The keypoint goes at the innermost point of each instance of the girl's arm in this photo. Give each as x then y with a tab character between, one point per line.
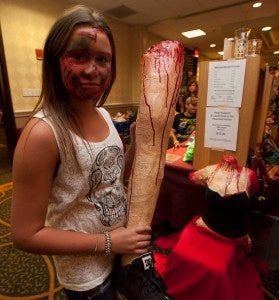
35	160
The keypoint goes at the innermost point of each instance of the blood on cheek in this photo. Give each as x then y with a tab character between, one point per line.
70	73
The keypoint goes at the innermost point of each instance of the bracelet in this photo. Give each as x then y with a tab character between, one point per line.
177	142
96	244
107	243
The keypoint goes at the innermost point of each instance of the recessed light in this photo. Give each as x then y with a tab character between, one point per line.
221	52
276	52
212	45
257	4
193	33
266	28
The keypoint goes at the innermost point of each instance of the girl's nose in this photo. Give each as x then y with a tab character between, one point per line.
91	67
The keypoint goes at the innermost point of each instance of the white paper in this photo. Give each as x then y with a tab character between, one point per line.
228	48
225	83
221	127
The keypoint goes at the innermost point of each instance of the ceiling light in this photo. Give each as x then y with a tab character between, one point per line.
221	52
193	33
212	45
257	4
266	28
276	52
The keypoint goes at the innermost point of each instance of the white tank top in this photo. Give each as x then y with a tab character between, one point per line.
91	203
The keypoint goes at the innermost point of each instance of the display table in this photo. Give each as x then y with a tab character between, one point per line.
179	200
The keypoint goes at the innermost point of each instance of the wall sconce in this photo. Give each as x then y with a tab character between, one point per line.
39	54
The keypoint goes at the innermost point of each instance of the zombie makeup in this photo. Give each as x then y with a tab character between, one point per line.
86	64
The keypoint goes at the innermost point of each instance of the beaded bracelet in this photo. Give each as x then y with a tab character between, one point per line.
107	243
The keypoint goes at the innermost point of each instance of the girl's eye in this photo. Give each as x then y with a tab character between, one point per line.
81	58
78	57
102	59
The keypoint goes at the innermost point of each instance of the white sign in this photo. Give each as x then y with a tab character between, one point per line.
221	127
225	83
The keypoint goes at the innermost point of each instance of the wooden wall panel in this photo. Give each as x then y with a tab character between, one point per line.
207	156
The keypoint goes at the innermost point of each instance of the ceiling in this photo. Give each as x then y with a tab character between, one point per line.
218	18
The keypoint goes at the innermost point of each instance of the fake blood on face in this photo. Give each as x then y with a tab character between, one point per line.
86	64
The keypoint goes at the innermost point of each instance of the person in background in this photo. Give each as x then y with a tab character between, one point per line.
273	70
212	257
184	123
192	88
68	194
191	91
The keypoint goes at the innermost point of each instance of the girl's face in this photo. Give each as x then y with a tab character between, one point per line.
192	87
86	64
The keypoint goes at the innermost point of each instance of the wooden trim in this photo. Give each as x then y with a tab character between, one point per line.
21	116
121	105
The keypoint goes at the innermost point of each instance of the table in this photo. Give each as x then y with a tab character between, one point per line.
179	200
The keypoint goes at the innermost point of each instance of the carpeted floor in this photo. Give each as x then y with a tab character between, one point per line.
23	275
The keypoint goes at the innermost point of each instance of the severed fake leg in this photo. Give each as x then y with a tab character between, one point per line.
162	68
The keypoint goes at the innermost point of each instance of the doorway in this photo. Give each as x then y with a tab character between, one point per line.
8	136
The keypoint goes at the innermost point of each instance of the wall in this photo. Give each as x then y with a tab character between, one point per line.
25	25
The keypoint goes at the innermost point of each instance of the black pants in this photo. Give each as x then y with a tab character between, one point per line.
105	291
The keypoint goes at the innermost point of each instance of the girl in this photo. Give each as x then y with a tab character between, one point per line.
68	194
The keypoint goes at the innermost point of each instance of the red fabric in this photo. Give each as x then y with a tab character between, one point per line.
168	241
206	266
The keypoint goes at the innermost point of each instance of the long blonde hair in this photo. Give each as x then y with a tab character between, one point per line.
54	97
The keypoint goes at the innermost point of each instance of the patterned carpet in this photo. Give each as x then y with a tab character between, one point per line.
23	275
26	276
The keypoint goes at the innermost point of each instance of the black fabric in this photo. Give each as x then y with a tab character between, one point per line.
227	215
104	291
139	280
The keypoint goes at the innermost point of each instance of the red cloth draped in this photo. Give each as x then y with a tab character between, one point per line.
206	266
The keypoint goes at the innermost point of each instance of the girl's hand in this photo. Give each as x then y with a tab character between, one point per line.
134	240
176	145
